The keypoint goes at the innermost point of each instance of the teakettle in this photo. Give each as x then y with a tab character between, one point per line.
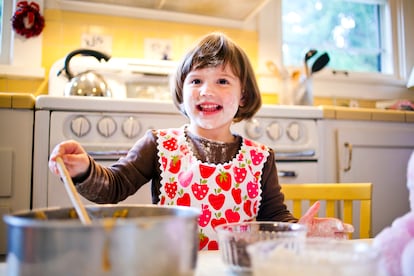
88	83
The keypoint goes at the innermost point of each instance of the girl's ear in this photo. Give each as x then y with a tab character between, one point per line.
242	99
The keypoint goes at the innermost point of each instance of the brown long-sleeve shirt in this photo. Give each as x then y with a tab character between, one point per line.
141	165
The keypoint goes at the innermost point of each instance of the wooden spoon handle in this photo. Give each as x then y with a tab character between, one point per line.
72	192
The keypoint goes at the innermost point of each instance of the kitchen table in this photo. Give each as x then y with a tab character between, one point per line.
209	263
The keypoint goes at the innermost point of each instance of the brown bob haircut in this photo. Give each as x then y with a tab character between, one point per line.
213	50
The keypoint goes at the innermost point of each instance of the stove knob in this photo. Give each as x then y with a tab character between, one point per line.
131	127
274	131
294	131
253	129
80	126
106	126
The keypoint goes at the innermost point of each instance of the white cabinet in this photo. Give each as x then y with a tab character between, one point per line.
365	151
16	141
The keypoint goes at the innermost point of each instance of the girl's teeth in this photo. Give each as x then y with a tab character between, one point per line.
209	107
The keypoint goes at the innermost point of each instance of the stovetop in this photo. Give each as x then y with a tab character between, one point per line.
104	104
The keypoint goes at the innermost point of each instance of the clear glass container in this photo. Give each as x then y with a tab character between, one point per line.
316	256
235	237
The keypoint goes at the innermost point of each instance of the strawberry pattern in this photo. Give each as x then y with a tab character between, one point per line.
224	193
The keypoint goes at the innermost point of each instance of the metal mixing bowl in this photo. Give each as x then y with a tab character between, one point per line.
122	240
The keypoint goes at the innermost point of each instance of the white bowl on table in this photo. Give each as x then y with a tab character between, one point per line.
317	256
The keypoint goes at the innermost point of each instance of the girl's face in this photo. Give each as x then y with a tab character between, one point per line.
212	97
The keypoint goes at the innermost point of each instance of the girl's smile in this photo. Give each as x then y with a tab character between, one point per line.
209	108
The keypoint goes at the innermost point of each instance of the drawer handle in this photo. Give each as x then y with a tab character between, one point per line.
108	155
349	147
286	174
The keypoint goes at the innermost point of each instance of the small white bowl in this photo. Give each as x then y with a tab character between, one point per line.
316	256
235	237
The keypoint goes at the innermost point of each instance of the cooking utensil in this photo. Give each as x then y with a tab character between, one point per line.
303	93
320	63
309	54
277	70
88	83
72	192
149	240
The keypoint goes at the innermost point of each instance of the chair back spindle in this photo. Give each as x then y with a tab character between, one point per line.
350	202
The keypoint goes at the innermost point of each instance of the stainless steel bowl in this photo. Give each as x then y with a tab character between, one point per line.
147	240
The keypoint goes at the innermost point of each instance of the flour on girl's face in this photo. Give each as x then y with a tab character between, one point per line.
212	97
225	116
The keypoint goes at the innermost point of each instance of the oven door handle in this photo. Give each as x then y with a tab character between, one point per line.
303	153
283	173
108	155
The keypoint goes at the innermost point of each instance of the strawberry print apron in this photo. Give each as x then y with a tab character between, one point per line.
225	193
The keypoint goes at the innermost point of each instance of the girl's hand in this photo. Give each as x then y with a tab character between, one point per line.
73	155
324	227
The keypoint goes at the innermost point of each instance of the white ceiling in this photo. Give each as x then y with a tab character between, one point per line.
239	10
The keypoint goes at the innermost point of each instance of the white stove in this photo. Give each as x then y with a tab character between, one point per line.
107	128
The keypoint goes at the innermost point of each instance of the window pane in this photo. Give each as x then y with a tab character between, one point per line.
5	30
1	22
350	31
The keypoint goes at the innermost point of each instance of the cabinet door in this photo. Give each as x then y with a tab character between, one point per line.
380	156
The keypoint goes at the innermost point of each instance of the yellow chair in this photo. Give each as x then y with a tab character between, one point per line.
350	202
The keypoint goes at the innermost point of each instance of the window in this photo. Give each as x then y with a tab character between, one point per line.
381	52
5	33
353	32
18	57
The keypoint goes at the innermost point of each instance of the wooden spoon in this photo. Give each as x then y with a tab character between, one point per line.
71	190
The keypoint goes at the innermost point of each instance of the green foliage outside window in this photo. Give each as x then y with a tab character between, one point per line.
350	31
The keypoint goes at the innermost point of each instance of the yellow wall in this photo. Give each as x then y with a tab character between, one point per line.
63	31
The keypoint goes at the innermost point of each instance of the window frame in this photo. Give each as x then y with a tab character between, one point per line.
5	32
25	55
354	85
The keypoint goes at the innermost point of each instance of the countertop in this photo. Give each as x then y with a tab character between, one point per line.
17	100
29	101
366	114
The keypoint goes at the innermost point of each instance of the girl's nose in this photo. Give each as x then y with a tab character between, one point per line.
206	90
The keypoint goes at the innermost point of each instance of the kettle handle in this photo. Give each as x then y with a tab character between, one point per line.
85	52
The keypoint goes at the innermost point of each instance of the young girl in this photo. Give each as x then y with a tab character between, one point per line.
201	164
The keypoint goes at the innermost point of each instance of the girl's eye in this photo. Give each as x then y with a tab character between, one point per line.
223	81
195	81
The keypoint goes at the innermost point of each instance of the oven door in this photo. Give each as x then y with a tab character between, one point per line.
142	196
56	195
297	171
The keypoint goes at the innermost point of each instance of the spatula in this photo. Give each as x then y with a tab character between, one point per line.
72	193
320	63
